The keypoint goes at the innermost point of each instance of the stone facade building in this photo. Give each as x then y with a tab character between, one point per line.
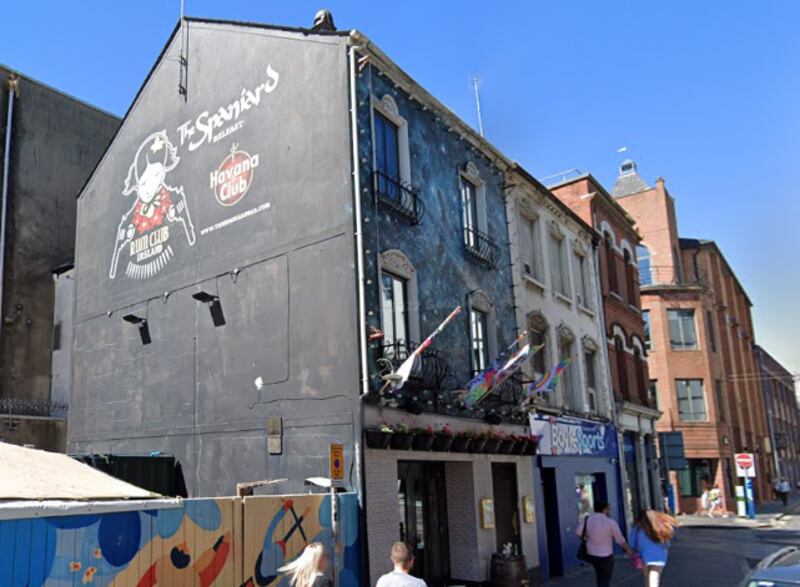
50	143
636	412
783	419
558	302
701	347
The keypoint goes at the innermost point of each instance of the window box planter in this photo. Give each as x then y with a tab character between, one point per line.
491	445
377	438
477	445
461	444
422	441
530	446
506	446
402	440
442	442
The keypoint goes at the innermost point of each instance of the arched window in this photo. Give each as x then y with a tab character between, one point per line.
622	370
645	268
630	278
638	367
537	329
611	262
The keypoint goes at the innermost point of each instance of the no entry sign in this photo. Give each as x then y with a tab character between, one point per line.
745	464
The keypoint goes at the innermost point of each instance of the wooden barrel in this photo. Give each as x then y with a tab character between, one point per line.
509	572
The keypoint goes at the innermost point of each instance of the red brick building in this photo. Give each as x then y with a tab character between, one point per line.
701	347
625	335
783	419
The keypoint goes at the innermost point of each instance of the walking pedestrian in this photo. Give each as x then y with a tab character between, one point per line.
651	538
776	487
403	561
308	569
785	488
600	532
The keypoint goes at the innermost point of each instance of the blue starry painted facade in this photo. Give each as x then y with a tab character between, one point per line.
413	207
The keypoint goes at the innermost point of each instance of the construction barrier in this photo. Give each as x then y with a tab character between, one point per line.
219	542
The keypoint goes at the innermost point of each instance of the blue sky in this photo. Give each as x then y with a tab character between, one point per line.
705	94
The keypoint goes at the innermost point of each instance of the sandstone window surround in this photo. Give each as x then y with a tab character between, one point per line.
559	265
387	107
538	334
478	300
590	349
566	349
395	262
529	242
584	294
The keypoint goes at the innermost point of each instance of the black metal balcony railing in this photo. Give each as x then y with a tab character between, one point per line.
667	275
399	196
12	406
430	370
481	247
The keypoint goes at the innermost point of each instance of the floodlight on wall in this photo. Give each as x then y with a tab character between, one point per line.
141	324
214	306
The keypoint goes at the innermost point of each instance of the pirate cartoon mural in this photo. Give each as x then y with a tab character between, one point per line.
145	231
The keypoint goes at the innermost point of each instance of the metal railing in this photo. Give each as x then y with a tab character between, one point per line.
481	247
12	406
401	197
430	369
667	275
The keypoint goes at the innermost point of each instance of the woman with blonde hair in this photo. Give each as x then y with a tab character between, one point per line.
651	537
308	569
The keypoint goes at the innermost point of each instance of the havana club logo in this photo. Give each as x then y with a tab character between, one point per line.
233	178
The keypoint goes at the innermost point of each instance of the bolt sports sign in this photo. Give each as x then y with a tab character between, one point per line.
162	214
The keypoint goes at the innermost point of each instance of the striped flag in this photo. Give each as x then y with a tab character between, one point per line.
549	380
485	382
398	379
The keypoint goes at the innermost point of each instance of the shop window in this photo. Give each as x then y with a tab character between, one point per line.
584	492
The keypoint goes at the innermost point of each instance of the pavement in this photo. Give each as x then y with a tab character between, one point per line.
707	552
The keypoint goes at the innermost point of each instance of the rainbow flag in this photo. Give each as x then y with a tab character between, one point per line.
483	383
398	379
549	380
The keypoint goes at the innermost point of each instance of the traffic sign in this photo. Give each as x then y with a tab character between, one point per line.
745	465
337	462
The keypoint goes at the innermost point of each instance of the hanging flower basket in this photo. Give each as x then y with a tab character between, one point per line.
377	438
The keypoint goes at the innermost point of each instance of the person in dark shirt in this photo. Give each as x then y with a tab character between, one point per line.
308	569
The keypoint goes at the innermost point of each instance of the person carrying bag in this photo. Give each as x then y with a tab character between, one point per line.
598	532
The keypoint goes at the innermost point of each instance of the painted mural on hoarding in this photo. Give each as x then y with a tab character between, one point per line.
573	436
145	237
203	543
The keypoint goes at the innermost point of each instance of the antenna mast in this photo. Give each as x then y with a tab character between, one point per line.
478	104
182	62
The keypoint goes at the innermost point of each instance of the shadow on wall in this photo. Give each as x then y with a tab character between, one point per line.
202	543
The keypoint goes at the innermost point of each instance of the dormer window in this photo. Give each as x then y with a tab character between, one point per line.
628	167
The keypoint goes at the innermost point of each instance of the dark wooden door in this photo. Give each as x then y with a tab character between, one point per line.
506	505
423	514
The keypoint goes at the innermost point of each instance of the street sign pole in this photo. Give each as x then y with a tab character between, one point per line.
748	495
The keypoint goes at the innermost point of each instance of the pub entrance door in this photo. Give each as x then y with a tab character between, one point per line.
423	518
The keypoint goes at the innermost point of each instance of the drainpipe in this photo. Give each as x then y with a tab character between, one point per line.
12	83
358	450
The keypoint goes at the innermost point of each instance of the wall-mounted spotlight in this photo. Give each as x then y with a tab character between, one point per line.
213	304
141	323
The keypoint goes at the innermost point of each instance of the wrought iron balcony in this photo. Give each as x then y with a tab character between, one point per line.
12	406
481	247
430	370
399	196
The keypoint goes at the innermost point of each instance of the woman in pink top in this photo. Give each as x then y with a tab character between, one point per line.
601	534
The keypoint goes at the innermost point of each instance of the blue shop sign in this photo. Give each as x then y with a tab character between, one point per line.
574	437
